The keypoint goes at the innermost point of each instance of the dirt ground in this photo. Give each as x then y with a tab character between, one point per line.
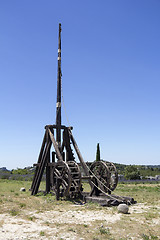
73	224
23	216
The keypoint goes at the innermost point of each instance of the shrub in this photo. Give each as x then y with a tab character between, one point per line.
132	173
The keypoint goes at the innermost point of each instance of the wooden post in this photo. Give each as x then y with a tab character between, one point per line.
58	154
39	159
58	105
53	157
79	154
41	166
48	167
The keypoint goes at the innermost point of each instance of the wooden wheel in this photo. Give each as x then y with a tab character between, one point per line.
100	177
113	175
76	178
61	179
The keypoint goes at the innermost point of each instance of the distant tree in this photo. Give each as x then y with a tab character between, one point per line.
20	171
131	173
98	153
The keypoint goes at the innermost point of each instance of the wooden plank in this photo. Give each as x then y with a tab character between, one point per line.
41	168
48	169
57	127
53	157
85	168
59	156
39	159
66	140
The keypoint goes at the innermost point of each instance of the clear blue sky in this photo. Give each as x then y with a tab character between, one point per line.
111	77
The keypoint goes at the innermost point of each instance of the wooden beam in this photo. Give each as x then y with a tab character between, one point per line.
85	168
39	159
58	154
40	170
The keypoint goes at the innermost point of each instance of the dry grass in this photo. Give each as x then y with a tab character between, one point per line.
42	217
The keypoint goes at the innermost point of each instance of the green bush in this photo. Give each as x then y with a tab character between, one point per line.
4	176
132	173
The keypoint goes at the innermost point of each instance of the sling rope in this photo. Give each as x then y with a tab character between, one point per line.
65	107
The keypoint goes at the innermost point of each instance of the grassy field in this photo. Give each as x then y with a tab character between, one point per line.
23	216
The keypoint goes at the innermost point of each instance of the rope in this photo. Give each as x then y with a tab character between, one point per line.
110	196
98	179
105	187
64	107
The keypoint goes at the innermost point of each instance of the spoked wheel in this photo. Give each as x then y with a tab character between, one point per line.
76	178
113	175
61	179
100	177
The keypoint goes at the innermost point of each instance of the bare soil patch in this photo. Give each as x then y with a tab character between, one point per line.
41	217
72	224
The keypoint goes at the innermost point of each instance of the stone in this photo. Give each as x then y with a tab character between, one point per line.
123	208
22	189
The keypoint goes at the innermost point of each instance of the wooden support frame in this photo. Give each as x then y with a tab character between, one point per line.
46	163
